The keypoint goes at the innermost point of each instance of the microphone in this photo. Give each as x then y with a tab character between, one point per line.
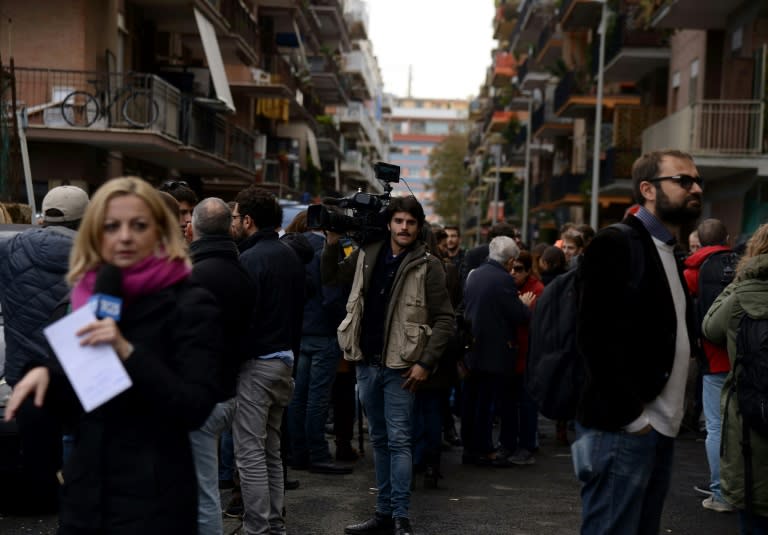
106	301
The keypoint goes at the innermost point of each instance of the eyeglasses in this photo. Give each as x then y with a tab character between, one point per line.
684	181
518	268
173	184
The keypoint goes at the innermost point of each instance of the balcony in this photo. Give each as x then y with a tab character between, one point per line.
356	15
328	141
500	120
356	117
531	75
533	16
138	114
358	65
725	128
504	68
332	29
355	167
694	14
580	14
550	45
631	54
505	19
546	125
328	83
570	100
243	27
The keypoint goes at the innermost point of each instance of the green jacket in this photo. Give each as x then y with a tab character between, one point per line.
419	317
748	293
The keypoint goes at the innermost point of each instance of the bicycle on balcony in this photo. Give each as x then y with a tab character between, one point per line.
137	106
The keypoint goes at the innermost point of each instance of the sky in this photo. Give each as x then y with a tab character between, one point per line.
448	43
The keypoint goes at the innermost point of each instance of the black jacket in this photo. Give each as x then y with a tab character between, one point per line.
494	312
131	470
326	304
626	335
279	281
217	269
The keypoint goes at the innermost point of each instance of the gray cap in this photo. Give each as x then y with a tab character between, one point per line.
64	204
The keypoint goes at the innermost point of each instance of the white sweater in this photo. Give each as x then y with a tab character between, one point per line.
665	413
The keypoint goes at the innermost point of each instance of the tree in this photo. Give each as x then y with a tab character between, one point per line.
449	176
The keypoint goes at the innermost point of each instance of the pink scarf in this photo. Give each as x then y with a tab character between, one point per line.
146	277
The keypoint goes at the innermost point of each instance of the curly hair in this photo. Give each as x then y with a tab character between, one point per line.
261	206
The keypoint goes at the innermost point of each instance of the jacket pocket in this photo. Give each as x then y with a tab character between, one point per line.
348	338
415	338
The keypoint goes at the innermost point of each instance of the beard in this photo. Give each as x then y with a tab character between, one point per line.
680	214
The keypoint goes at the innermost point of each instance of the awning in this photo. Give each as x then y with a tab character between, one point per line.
214	59
312	146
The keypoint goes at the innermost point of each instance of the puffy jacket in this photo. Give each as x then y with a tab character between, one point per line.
748	293
33	265
419	315
324	308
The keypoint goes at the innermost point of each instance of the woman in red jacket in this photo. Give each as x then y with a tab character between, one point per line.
527	413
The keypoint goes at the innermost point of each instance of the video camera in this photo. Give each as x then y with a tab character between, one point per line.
368	221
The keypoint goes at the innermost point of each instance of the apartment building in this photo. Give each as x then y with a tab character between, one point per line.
416	126
716	103
218	93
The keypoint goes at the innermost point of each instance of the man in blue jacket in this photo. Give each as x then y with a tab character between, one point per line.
32	268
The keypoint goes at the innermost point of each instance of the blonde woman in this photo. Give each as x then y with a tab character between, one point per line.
131	469
747	294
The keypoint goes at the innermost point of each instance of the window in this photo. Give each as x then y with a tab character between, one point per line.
737	39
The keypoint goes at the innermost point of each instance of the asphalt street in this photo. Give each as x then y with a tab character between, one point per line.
541	499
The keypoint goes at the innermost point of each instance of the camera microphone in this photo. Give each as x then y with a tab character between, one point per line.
106	301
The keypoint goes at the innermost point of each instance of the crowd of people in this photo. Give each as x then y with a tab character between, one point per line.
240	336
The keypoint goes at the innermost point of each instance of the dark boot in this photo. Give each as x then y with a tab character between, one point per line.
378	524
402	526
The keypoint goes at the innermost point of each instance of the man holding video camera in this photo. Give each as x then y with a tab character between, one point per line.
399	320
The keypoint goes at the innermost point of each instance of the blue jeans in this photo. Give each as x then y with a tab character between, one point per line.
427	426
624	478
388	408
308	411
710	395
204	442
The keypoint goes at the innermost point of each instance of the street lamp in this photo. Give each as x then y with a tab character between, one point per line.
593	219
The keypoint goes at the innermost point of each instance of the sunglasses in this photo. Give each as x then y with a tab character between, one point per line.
684	181
518	269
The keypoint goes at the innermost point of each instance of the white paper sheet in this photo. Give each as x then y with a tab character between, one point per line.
95	372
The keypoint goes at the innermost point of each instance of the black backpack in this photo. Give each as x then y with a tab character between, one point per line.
751	372
715	273
750	368
555	370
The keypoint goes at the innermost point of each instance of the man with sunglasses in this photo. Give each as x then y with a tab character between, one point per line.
635	331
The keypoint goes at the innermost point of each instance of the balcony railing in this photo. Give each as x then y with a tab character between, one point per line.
357	112
521	19
565	88
358	62
728	127
136	101
241	22
208	131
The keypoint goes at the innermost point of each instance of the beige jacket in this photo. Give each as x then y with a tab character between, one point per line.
419	318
